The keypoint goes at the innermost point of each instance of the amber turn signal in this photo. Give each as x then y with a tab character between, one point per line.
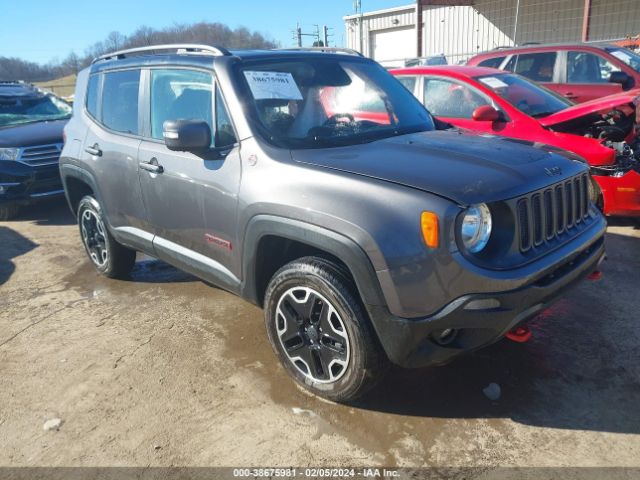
429	224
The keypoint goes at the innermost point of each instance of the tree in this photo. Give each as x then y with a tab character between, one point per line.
201	32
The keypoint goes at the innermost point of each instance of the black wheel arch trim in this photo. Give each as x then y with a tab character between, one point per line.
73	171
333	243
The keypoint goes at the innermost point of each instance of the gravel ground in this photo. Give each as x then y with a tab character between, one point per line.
165	370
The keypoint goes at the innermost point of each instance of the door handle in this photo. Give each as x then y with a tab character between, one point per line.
151	166
94	150
570	95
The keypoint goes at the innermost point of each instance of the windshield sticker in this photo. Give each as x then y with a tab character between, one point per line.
273	85
493	82
619	54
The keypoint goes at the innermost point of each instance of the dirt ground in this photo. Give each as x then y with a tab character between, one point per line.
165	370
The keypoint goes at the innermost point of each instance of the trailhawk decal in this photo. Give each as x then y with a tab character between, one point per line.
217	241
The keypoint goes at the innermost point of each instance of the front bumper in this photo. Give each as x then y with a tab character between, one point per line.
621	195
21	184
412	342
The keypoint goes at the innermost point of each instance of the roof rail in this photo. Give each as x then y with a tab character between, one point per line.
178	47
348	51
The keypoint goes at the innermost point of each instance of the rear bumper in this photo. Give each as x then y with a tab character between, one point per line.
621	194
21	184
412	342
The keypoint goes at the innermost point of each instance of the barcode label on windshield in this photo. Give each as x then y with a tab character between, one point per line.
273	85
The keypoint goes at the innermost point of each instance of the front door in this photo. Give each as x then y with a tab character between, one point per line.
587	77
453	101
191	198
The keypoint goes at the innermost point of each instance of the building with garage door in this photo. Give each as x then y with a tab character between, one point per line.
460	29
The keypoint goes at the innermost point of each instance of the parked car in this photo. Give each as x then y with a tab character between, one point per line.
579	72
31	123
364	241
603	131
432	60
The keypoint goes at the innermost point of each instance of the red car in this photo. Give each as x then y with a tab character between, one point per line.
605	132
580	72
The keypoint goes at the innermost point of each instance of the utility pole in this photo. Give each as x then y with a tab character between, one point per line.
325	35
298	34
357	5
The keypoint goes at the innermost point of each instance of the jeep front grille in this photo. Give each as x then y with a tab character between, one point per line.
40	155
545	214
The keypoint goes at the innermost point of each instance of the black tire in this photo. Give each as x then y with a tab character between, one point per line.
8	212
108	256
360	359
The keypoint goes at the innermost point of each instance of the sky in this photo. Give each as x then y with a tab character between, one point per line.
41	31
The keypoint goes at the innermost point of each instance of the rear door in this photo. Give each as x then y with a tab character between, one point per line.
585	76
110	151
541	67
191	198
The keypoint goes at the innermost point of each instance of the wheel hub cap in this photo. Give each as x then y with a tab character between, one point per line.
312	335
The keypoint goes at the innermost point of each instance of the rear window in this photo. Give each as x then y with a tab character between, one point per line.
492	62
92	95
120	101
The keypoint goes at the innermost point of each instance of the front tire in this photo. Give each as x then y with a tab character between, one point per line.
108	256
320	331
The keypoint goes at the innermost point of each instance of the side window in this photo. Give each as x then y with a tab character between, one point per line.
492	62
224	133
536	66
445	98
585	67
409	82
92	95
179	95
120	101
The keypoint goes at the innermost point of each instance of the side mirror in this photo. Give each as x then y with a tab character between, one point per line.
186	135
486	113
620	77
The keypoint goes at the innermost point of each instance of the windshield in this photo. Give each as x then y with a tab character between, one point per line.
529	98
627	56
15	110
323	102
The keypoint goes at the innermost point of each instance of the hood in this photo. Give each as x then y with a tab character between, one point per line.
599	105
27	135
463	166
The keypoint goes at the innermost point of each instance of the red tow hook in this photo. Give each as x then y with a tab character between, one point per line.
520	334
595	275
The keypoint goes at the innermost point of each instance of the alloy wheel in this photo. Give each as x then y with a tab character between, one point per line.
94	237
312	334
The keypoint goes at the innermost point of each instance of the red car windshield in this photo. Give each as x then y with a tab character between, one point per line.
526	96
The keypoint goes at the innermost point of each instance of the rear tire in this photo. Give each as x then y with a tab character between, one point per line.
8	212
320	331
108	256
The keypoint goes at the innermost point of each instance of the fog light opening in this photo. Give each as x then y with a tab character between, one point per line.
445	337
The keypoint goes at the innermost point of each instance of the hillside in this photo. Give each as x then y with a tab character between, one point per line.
63	87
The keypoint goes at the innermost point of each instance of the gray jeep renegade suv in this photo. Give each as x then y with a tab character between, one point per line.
314	185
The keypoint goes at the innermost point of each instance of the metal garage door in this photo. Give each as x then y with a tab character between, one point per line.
393	44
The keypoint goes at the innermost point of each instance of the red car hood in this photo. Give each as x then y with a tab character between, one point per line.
599	105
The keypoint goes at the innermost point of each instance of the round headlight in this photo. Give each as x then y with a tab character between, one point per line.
476	227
